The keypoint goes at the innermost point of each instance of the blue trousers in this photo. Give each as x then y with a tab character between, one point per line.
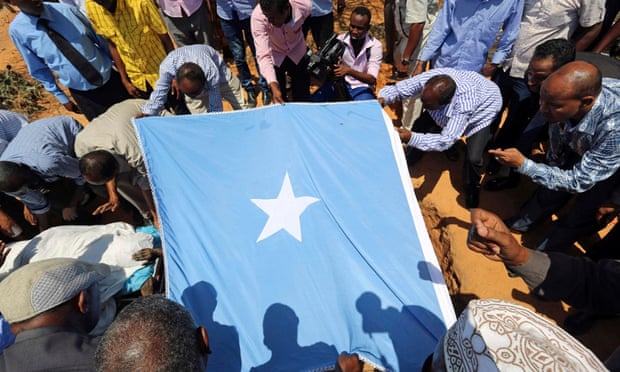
235	30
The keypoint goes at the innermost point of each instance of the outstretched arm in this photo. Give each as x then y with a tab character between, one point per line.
585	36
120	66
113	200
608	38
490	236
578	281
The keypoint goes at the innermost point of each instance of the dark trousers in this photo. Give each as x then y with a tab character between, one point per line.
390	29
579	221
522	106
609	247
300	80
192	29
236	31
322	27
476	143
95	102
535	131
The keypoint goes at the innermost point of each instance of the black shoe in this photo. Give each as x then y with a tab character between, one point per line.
452	153
267	97
502	183
251	103
472	197
493	166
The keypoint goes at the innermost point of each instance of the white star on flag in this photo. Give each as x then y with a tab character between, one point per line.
284	211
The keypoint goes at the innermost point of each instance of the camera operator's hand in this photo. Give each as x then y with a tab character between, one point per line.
341	70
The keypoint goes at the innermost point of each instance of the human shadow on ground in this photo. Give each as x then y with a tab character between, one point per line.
446	221
552	309
280	331
413	330
201	300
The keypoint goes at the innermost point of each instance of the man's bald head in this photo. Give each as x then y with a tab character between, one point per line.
570	92
585	78
438	91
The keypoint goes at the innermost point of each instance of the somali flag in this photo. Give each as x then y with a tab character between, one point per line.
292	233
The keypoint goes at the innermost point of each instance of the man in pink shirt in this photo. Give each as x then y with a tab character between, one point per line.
280	46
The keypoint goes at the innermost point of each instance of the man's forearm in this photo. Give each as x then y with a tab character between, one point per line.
363	77
415	35
534	270
585	36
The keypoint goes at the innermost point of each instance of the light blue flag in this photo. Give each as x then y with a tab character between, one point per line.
292	233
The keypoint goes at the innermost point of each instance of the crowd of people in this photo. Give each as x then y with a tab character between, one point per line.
504	75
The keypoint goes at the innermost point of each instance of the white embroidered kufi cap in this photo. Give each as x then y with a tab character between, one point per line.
494	335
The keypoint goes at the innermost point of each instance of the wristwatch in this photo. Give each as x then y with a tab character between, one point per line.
404	62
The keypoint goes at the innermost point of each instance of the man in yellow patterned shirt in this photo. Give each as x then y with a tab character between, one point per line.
137	37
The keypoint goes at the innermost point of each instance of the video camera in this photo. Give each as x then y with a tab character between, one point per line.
321	64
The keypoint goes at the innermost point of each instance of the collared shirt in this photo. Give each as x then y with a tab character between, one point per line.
551	19
227	8
43	57
46	147
210	62
10	123
415	11
595	139
175	8
321	7
76	3
474	106
114	132
134	28
368	60
273	44
465	30
418	11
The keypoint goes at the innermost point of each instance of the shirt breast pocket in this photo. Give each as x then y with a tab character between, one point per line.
488	31
557	17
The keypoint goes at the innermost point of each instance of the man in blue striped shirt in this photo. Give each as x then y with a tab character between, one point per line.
456	103
198	75
583	110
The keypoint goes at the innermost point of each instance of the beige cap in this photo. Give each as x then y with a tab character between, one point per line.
41	286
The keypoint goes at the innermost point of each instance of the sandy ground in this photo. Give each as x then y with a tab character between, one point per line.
437	182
